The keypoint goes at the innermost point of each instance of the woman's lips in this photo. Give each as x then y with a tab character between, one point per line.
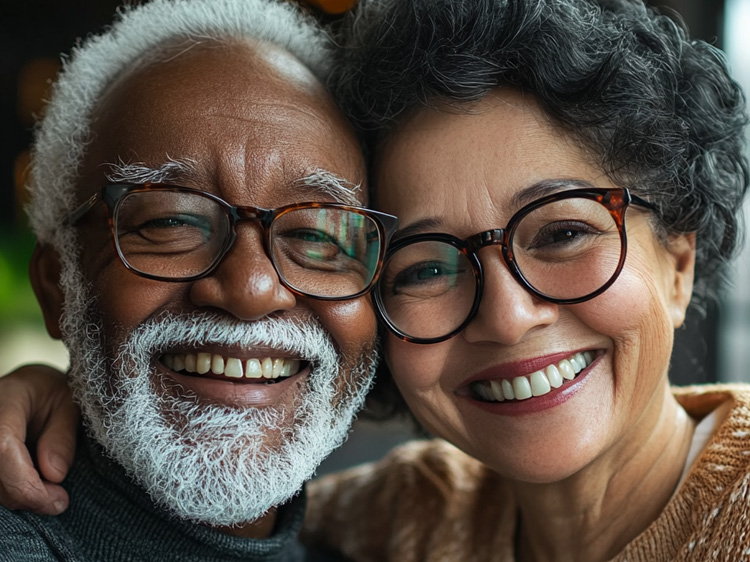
537	383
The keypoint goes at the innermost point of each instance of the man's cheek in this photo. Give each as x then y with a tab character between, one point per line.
352	324
127	300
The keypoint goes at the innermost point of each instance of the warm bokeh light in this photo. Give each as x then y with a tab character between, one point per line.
332	6
20	176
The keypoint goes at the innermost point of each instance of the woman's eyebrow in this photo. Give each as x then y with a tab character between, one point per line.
545	187
422	225
518	200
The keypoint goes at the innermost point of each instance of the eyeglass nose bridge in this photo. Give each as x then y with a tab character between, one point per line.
490	237
246	214
252	214
241	214
493	237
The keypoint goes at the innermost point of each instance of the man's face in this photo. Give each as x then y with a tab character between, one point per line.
249	122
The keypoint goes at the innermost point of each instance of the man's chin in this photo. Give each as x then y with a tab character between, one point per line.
210	451
215	465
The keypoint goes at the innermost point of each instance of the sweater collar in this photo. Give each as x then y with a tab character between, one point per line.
113	518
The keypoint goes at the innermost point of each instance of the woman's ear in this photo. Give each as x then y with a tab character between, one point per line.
44	272
682	249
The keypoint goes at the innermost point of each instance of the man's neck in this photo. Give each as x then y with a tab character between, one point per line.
258	529
110	511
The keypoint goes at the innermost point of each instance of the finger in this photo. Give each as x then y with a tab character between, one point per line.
20	484
14	415
57	442
22	403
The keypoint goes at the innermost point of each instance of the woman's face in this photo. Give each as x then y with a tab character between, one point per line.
461	173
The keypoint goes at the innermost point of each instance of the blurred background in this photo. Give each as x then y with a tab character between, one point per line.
33	33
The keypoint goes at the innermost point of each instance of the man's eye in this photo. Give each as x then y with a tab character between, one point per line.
167	229
309	235
318	244
166	222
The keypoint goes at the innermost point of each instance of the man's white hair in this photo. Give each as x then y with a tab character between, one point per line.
62	135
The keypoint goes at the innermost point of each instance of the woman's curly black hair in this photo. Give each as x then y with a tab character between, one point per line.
657	109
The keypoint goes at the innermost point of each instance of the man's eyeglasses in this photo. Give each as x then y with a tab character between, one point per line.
327	251
564	248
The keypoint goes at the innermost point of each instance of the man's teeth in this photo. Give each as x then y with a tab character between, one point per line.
203	363
537	383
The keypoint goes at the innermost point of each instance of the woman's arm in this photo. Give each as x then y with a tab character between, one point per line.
38	423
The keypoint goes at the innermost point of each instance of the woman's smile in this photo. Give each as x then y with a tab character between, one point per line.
553	376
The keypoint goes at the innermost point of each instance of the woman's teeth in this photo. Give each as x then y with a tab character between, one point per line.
537	383
266	369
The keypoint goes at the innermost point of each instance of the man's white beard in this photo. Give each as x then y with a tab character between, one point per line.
213	464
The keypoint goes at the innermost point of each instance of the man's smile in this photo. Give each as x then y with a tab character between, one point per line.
224	367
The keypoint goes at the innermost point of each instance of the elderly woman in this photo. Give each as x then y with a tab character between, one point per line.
567	175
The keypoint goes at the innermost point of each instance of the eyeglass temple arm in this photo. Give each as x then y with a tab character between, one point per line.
84	208
390	224
643	203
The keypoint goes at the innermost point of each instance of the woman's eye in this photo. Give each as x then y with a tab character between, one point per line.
561	234
424	274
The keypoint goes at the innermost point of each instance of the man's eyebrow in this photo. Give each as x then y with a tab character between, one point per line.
173	170
323	181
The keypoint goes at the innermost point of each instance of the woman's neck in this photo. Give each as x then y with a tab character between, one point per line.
595	513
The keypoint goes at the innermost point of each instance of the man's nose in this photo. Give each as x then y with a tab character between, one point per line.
245	283
507	311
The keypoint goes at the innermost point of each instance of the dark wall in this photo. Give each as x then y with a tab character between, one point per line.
694	356
33	33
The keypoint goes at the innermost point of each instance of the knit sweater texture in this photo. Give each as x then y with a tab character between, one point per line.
428	501
111	519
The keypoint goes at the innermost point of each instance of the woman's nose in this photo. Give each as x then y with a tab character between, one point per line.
507	311
245	283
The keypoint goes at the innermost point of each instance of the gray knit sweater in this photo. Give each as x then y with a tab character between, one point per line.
111	519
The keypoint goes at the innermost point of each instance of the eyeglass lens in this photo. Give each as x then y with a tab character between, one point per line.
327	252
565	249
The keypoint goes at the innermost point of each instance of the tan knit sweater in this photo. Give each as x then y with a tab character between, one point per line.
428	501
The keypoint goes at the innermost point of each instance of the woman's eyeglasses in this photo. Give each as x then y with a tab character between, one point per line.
323	250
564	248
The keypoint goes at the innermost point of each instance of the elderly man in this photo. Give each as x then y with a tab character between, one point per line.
202	258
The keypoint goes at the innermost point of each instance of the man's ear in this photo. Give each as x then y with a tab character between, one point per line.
44	272
682	249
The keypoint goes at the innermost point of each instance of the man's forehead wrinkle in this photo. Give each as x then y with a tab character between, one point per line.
275	112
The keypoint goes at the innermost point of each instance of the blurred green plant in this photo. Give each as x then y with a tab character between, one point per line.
17	301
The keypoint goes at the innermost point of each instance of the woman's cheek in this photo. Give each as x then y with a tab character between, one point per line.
414	367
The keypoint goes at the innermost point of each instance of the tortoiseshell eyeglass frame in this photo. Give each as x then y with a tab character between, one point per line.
112	194
616	200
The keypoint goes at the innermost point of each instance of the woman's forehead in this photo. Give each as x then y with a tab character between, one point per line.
500	145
